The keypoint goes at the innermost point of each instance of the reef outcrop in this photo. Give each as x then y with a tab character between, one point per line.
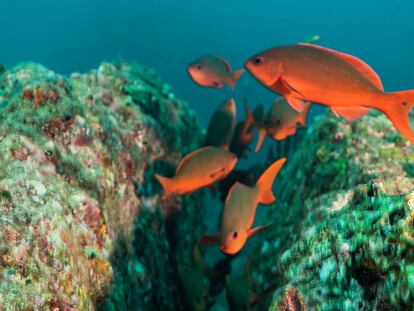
343	237
82	222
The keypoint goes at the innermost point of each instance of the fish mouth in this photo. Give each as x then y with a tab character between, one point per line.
228	250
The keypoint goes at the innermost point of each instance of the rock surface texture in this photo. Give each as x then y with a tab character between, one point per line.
343	237
82	223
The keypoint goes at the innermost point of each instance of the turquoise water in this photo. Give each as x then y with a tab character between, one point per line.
69	36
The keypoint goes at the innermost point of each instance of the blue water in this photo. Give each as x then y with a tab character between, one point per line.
76	35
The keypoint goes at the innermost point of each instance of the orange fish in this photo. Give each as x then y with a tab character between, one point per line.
306	72
240	210
221	126
198	169
282	120
213	71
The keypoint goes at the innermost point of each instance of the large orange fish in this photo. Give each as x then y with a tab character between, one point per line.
240	210
198	169
306	72
221	126
282	120
213	71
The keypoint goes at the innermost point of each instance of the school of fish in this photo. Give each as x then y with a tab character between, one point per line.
303	74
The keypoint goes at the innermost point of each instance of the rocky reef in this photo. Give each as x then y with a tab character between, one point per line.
82	222
83	225
343	237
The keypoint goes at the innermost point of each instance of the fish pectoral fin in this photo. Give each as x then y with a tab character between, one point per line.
257	229
351	113
217	85
217	173
298	104
260	139
209	240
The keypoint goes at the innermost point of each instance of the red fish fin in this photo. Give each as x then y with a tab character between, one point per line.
257	229
226	63
188	156
358	64
351	113
234	77
260	139
167	184
265	182
397	106
297	104
209	240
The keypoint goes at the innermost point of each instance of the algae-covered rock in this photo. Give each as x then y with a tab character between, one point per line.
82	222
343	237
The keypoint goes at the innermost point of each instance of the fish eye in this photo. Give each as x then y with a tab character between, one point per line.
257	61
277	121
235	235
198	67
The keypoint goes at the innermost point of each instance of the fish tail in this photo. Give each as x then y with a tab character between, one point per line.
265	182
397	106
167	184
234	77
260	139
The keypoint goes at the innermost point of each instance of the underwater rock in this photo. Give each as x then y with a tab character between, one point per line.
82	222
343	237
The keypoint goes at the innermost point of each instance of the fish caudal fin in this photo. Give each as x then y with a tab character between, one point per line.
167	184
397	108
235	76
265	182
260	139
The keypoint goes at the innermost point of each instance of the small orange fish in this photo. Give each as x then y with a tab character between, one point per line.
306	72
221	126
240	210
213	71
198	169
282	120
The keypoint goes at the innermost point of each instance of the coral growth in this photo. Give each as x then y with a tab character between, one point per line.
82	222
344	237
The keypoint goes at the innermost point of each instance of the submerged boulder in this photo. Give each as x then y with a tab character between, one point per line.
83	224
343	234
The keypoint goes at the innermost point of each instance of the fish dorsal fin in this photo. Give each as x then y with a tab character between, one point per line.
188	156
235	185
226	63
358	64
